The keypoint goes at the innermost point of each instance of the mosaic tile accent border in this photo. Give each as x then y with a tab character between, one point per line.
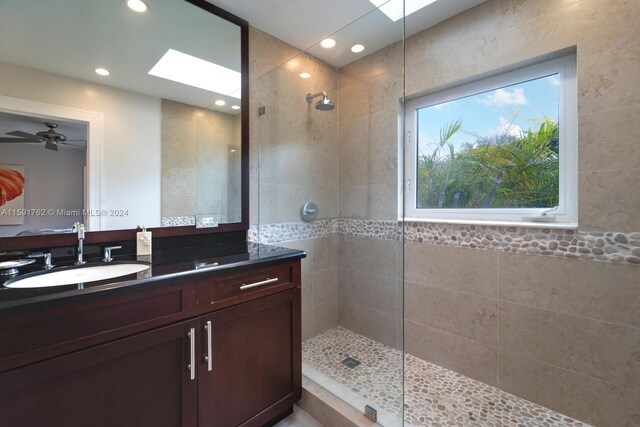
564	243
291	231
433	395
591	245
180	221
369	228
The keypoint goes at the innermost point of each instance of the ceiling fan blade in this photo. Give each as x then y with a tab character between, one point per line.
23	140
26	135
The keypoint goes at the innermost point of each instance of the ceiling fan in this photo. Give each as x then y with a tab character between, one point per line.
50	137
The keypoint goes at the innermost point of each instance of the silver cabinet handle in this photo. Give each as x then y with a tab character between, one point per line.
209	357
253	285
192	353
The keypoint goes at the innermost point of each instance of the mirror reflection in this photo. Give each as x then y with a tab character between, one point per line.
117	117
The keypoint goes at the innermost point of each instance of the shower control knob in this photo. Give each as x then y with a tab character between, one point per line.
309	212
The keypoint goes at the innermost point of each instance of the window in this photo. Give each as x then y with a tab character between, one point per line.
499	149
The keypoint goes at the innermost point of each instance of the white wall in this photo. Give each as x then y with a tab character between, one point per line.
131	154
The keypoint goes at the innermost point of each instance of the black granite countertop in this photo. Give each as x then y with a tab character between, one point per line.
165	265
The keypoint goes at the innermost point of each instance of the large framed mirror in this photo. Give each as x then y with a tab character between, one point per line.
117	114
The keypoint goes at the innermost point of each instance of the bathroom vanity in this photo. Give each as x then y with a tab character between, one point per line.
202	340
210	335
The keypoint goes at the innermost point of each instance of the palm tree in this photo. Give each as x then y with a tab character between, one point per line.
430	165
504	171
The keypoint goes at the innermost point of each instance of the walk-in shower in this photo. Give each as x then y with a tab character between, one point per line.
325	104
433	320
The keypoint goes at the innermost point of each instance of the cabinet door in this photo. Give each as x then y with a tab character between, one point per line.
255	372
142	380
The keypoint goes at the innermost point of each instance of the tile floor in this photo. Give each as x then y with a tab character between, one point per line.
435	396
299	418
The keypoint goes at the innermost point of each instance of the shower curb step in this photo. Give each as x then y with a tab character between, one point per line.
328	409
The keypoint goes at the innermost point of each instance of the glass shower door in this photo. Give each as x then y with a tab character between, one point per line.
344	160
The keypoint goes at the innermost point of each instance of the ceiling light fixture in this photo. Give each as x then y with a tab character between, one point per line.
189	70
220	103
357	48
102	71
328	43
235	107
396	9
137	5
305	75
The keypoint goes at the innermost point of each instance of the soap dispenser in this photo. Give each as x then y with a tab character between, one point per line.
143	242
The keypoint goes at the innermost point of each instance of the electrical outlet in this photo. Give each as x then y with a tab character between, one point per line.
207	220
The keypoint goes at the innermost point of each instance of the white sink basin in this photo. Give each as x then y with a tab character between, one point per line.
75	275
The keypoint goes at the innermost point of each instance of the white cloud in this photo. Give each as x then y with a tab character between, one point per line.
554	80
505	97
506	128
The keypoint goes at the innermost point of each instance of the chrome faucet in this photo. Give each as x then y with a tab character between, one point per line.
107	253
78	227
46	257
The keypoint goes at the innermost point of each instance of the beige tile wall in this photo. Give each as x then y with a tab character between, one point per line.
371	288
265	53
370	269
197	166
564	333
500	33
369	91
294	160
320	284
298	144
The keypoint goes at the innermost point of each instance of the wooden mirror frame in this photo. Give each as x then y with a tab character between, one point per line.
70	239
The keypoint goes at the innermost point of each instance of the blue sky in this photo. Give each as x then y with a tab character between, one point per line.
510	109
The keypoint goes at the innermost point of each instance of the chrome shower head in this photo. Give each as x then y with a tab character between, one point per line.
325	104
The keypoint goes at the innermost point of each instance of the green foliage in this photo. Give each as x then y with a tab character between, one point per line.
502	172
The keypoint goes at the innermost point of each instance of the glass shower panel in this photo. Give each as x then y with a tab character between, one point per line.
500	316
345	161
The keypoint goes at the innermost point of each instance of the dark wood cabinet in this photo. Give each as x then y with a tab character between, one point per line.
255	369
148	359
138	381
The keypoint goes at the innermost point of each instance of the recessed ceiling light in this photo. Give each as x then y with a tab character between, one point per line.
137	5
220	102
305	75
192	71
396	9
232	150
328	43
102	71
357	48
235	107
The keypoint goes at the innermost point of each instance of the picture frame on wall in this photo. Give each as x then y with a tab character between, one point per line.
12	184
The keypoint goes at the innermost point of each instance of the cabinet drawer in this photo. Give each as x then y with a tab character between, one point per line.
224	291
70	326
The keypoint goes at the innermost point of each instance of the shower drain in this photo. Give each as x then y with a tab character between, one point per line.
350	362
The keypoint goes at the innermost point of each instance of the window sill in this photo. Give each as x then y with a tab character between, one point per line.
527	224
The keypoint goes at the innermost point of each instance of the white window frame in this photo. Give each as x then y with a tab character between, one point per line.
567	213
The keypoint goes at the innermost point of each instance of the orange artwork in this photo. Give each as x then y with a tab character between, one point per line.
11	184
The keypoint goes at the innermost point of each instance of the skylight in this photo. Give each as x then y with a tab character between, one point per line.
189	70
394	8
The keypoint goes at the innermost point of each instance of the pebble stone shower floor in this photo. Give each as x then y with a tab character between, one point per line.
434	396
